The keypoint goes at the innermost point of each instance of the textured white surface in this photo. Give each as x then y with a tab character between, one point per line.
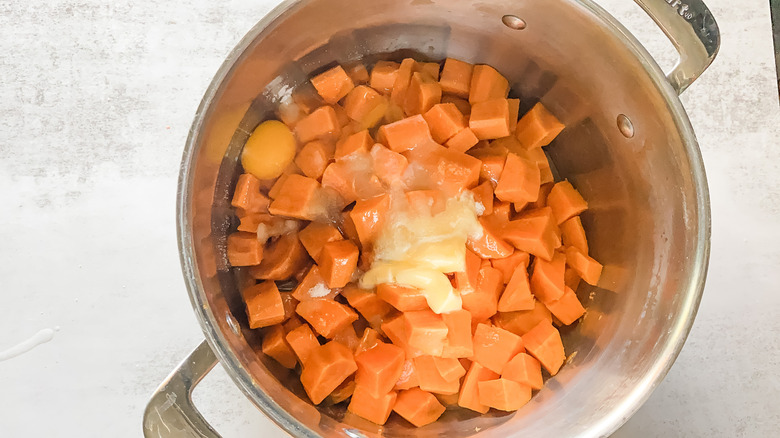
96	98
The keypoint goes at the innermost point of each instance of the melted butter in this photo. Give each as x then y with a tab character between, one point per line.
417	248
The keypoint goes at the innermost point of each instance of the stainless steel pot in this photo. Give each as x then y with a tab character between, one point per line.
628	146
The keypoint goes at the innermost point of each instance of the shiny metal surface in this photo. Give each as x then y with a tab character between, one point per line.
648	222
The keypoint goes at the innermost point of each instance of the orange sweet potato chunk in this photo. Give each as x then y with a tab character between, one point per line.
489	119
456	77
326	368
447	170
565	201
408	377
337	261
333	84
313	159
487	83
469	392
370	339
544	343
405	134
369	216
489	245
463	140
342	392
302	341
389	166
383	76
449	368
517	294
403	298
508	265
494	346
264	306
523	321
367	303
586	267
504	394
431	69
431	380
567	308
524	369
374	409
459	342
355	143
326	316
243	249
425	331
402	79
467	281
573	234
423	93
298	197
275	346
365	106
418	407
313	286
444	121
322	123
547	282
379	368
247	197
358	73
519	181
534	232
317	234
537	127
483	303
483	195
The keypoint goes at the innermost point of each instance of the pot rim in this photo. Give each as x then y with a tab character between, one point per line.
632	401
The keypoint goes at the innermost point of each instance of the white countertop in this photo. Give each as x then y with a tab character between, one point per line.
96	98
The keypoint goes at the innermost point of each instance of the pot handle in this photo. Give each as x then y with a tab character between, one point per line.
693	32
170	412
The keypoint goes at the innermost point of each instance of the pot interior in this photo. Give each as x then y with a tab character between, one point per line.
647	221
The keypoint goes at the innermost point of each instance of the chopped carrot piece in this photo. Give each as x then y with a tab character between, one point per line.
523	321
347	337
312	159
587	268
423	93
403	298
425	331
369	340
418	407
326	368
508	265
317	234
567	308
276	346
503	394
383	76
517	295
486	84
247	197
379	368
489	119
426	201
547	278
463	140
333	84
264	305
483	303
431	380
373	409
369	216
537	127
302	341
534	232
571	279
488	245
468	281
444	121
456	77
519	181
358	73
402	79
389	166
469	391
358	142
243	249
326	316
297	198
459	341
342	392
322	123
483	195
573	234
405	134
313	286
494	346
524	369
544	343
449	368
408	377
338	260
430	69
565	201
